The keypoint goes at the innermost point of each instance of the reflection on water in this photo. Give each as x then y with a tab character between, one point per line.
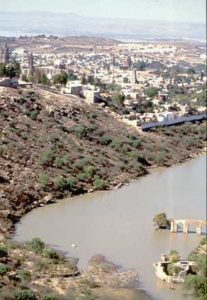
118	224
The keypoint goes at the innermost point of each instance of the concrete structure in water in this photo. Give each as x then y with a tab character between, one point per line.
197	224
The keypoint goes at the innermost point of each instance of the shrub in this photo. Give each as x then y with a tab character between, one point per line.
36	245
41	265
174	256
25	275
24	295
81	131
2	149
116	144
161	220
80	163
47	157
3	251
43	180
61	161
51	254
61	183
72	182
50	297
99	183
172	269
90	171
33	114
105	140
3	269
160	158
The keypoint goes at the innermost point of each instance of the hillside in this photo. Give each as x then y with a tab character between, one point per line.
33	23
54	146
43	44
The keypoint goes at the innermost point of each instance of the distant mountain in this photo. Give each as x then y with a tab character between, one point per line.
33	23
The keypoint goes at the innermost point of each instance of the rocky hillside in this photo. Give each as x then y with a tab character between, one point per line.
54	146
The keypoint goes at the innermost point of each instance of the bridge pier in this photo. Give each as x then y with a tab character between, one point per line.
199	229
173	226
185	228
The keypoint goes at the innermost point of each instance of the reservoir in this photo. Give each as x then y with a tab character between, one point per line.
118	224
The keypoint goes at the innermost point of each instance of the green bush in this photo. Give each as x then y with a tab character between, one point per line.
47	157
116	144
33	114
51	254
43	180
99	183
50	297
41	265
61	161
3	251
90	171
24	295
105	140
161	220
174	256
25	275
61	183
71	182
172	269
81	131
3	269
2	149
36	245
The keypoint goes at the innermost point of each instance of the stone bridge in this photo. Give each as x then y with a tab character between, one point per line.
198	225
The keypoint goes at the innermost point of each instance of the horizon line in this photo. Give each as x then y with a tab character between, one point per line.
94	17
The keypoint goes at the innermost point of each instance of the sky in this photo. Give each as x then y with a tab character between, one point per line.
173	10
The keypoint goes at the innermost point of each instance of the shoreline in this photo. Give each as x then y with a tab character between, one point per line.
150	170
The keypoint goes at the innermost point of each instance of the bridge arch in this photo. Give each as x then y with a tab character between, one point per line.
186	225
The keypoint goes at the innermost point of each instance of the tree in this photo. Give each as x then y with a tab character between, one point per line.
151	92
72	76
140	66
44	79
13	69
91	79
60	78
83	79
117	99
24	78
2	70
161	220
174	256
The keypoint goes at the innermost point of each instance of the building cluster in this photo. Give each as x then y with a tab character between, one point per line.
129	69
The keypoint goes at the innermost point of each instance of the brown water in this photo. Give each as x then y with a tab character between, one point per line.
118	223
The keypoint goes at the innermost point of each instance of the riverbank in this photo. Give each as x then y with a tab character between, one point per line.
34	271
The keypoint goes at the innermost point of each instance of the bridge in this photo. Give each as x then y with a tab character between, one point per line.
187	226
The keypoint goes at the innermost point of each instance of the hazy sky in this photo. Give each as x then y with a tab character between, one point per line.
173	10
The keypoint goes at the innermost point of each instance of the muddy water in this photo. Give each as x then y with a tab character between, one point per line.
118	223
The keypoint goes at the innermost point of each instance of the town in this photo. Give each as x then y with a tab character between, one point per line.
142	83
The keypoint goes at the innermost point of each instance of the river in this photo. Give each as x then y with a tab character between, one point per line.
119	225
